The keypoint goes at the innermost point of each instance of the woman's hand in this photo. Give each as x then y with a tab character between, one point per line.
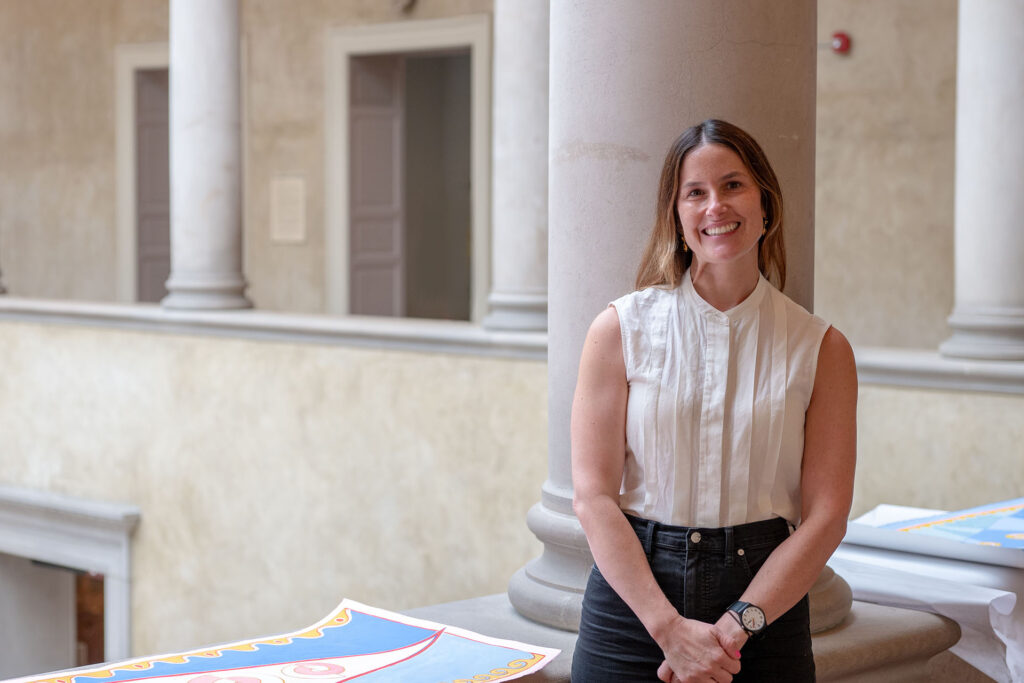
698	652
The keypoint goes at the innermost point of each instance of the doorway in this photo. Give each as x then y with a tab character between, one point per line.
152	184
410	185
51	617
467	40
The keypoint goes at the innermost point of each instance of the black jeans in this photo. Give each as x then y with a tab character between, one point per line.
702	572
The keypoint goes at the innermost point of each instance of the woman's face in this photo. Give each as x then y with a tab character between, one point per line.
719	207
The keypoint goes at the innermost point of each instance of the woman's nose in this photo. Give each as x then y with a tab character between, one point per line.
715	203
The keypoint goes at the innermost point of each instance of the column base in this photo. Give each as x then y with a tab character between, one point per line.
831	599
515	311
206	294
549	589
986	334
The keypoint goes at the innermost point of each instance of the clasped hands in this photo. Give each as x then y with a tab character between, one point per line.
696	652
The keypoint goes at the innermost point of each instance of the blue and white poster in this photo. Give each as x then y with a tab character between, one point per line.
355	642
996	524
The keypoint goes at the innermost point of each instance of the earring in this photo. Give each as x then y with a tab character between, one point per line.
764	230
685	248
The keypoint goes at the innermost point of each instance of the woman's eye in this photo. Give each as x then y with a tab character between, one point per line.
694	193
734	184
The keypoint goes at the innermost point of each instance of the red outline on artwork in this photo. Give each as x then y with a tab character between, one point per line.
415	654
431	638
430	641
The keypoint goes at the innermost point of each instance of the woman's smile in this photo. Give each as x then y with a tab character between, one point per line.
723	229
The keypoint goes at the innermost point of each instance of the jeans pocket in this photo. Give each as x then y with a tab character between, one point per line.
753	558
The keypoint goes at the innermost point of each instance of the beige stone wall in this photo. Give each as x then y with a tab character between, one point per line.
884	251
884	197
57	131
57	236
275	479
939	449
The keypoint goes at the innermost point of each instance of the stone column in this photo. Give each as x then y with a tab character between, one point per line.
519	224
625	81
988	314
206	160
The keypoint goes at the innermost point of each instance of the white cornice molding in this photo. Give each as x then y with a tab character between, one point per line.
928	369
443	336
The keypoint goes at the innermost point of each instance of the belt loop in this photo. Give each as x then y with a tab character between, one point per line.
728	546
648	539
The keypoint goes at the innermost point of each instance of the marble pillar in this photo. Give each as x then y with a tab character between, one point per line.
205	157
988	312
519	224
625	81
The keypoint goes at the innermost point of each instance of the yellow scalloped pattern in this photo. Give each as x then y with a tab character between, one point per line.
516	666
339	619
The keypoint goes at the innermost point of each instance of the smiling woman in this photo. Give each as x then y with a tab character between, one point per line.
713	439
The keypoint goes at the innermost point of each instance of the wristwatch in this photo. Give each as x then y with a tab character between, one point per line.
750	617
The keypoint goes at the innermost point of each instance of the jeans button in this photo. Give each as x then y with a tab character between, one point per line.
695	537
740	552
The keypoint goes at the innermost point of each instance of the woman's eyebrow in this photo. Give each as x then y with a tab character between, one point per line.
727	176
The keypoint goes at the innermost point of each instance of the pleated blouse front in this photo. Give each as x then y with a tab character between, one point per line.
717	399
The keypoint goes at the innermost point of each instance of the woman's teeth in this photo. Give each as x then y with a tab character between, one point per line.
721	229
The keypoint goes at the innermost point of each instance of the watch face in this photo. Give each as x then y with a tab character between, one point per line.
753	619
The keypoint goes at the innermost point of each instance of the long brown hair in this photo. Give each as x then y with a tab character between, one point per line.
664	260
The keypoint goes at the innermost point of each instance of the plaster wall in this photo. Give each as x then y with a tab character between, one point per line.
884	178
57	135
940	449
275	479
57	130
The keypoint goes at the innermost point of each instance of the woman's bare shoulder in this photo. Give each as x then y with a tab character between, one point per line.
837	367
836	347
602	354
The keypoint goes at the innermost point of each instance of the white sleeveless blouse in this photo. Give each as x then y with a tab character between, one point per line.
715	415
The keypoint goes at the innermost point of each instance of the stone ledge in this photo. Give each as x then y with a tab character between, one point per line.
880	644
404	334
927	369
875	644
